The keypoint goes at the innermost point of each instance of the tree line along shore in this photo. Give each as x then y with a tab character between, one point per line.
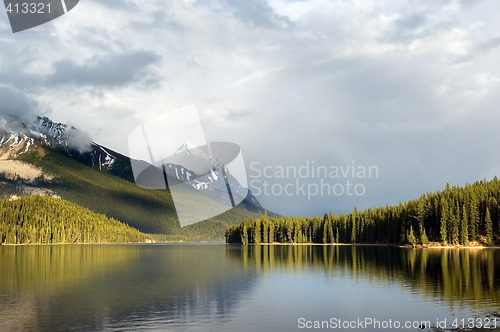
455	216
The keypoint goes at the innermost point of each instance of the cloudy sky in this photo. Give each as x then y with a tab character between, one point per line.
411	87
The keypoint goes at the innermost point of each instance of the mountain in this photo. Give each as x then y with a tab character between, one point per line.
215	182
72	166
19	138
74	143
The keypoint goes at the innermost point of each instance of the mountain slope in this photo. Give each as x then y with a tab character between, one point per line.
19	138
71	166
77	145
150	211
67	164
37	219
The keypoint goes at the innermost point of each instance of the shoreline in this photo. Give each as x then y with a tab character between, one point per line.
112	243
375	245
433	246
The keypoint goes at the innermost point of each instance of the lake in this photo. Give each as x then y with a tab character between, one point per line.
217	287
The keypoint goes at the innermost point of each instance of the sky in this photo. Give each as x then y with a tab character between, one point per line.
409	89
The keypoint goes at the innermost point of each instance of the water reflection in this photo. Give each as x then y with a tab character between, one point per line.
456	276
90	288
200	287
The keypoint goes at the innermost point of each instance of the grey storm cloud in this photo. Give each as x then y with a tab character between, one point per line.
17	108
256	13
481	48
119	5
106	71
15	105
410	86
489	45
13	77
411	21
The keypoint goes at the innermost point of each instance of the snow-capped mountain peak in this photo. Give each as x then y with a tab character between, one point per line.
46	128
59	134
184	147
17	138
195	168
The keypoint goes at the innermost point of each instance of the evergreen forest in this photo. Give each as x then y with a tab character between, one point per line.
454	216
45	220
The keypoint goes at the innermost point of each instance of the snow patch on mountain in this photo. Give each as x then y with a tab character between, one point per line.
17	138
106	160
60	134
185	147
13	145
191	165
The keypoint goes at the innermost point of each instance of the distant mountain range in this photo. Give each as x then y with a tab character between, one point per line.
58	149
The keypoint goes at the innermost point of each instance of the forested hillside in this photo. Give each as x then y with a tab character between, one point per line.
454	216
149	211
37	219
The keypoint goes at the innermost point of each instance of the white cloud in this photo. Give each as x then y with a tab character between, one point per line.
411	86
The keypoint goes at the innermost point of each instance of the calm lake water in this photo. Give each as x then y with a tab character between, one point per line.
243	288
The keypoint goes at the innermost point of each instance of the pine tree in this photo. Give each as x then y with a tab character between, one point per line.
327	229
474	219
325	226
464	226
420	212
444	221
455	222
411	237
257	232
354	217
271	232
244	235
423	237
489	227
